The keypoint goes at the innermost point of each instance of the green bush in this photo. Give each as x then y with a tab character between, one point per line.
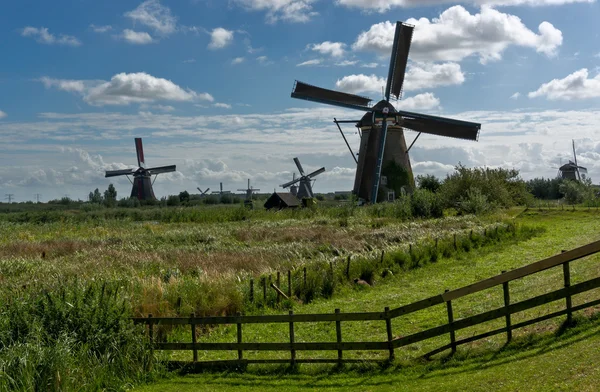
426	204
474	202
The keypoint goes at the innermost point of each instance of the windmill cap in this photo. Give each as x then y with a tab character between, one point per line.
367	119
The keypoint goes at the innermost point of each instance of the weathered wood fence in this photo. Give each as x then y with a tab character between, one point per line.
387	315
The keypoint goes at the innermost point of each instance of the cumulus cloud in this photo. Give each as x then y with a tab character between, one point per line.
43	36
154	15
425	101
297	11
137	37
386	5
100	29
2	114
457	34
220	38
126	88
309	63
419	76
237	60
333	49
577	85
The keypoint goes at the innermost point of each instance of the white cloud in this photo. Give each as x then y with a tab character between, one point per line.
515	95
369	65
264	60
124	89
100	29
220	38
237	60
74	86
346	63
137	37
334	49
575	86
425	101
386	5
155	16
310	62
419	76
222	105
43	36
457	34
297	11
2	114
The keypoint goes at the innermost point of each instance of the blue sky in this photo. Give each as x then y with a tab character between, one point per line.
207	85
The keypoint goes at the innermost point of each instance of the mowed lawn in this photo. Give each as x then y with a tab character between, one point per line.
539	358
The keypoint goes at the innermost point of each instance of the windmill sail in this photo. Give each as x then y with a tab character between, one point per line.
139	149
331	97
402	41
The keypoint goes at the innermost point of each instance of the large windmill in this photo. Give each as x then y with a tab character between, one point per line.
571	170
305	181
142	176
249	192
382	143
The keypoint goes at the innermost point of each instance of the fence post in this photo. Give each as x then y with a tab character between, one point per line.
455	248
382	255
388	327
450	322
278	286
151	336
293	352
506	304
348	268
338	333
289	283
251	290
304	280
567	276
239	335
264	283
194	338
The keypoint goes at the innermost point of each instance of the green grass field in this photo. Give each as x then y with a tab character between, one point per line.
539	358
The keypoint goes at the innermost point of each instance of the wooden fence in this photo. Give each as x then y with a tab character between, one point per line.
387	315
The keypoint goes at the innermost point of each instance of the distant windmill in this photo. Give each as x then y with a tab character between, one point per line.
571	170
305	181
203	193
221	192
249	192
142	182
377	148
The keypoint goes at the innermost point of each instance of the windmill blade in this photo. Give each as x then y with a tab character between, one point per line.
440	126
287	184
330	97
316	173
399	59
139	149
299	166
162	169
115	173
206	191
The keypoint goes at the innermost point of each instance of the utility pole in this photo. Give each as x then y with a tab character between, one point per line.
9	197
37	196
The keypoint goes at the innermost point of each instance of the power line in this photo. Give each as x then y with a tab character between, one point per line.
9	197
37	196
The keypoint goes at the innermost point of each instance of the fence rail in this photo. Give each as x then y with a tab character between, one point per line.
388	315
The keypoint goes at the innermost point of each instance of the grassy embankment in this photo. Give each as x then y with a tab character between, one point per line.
540	357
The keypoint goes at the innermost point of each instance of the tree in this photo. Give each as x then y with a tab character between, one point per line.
95	197
429	182
110	196
184	196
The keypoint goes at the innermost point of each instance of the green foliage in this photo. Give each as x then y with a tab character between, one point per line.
426	204
110	196
95	197
173	200
429	182
474	202
576	192
545	188
500	187
184	196
397	179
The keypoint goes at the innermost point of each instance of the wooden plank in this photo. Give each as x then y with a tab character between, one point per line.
194	339
569	304
507	304
451	324
283	318
256	346
239	338
338	335
542	265
416	306
292	338
279	292
390	337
